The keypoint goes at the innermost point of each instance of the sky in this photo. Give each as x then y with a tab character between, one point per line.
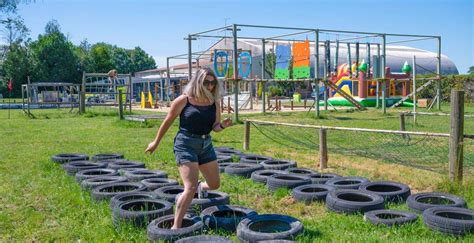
159	26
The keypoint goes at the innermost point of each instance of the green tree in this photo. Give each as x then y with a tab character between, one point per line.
122	60
141	60
471	70
101	58
53	57
16	67
14	30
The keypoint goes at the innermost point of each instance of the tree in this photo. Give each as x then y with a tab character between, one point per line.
122	60
471	70
14	30
141	60
17	66
53	57
101	58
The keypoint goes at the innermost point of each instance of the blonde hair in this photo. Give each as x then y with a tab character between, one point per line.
196	89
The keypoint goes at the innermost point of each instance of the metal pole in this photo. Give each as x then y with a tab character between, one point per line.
323	149
327	71
236	74
131	91
190	58
414	90
378	76
246	135
120	99
438	72
349	61
368	61
316	71
384	84
357	60
264	58
165	92
336	57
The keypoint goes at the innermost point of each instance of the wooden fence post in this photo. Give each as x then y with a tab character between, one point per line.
120	104
291	104
228	104
402	123
82	102
246	135
323	149
456	136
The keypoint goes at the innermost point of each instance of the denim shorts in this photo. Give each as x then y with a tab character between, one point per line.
193	148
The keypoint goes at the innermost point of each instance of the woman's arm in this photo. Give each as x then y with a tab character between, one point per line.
218	125
175	109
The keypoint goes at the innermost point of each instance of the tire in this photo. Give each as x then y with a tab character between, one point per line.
73	167
350	201
224	159
94	182
391	191
421	201
138	175
301	171
125	197
140	212
205	238
242	169
227	151
125	165
312	192
269	227
222	166
322	178
450	220
261	176
253	158
155	183
276	164
350	182
86	174
168	193
159	229
105	192
99	157
390	217
289	181
214	198
225	217
64	158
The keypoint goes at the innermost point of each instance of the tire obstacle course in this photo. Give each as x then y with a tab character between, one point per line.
143	197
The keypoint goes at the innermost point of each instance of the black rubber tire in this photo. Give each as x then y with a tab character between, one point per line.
168	193
223	165
140	212
227	151
350	182
352	201
105	192
125	165
125	197
421	201
73	167
261	176
301	171
155	183
99	157
289	181
242	169
138	175
85	174
312	192
108	161
253	158
225	217
94	182
205	238
390	217
450	220
214	198
322	178
391	191
269	227
64	158
159	229
277	241
278	164
224	159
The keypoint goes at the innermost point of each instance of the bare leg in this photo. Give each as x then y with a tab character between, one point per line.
189	172
210	171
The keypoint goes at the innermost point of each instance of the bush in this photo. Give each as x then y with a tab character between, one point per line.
274	91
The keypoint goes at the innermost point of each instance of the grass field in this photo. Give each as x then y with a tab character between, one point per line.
39	202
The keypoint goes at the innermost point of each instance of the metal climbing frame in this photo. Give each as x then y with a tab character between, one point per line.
317	77
98	89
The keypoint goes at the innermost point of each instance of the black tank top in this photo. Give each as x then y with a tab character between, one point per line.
197	119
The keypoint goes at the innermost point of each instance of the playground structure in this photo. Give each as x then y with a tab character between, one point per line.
49	95
309	60
102	89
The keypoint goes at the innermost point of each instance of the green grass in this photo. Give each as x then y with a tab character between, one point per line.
40	202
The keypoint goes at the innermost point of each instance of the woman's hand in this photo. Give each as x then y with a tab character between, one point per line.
151	147
226	123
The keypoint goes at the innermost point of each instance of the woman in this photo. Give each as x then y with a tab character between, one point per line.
198	110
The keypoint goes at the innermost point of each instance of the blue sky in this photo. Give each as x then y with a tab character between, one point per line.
159	26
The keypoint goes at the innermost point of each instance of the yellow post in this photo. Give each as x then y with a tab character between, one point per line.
142	100
150	99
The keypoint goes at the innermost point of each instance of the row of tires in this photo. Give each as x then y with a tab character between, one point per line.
143	197
351	195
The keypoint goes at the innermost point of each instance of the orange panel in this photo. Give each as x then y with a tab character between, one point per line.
301	54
